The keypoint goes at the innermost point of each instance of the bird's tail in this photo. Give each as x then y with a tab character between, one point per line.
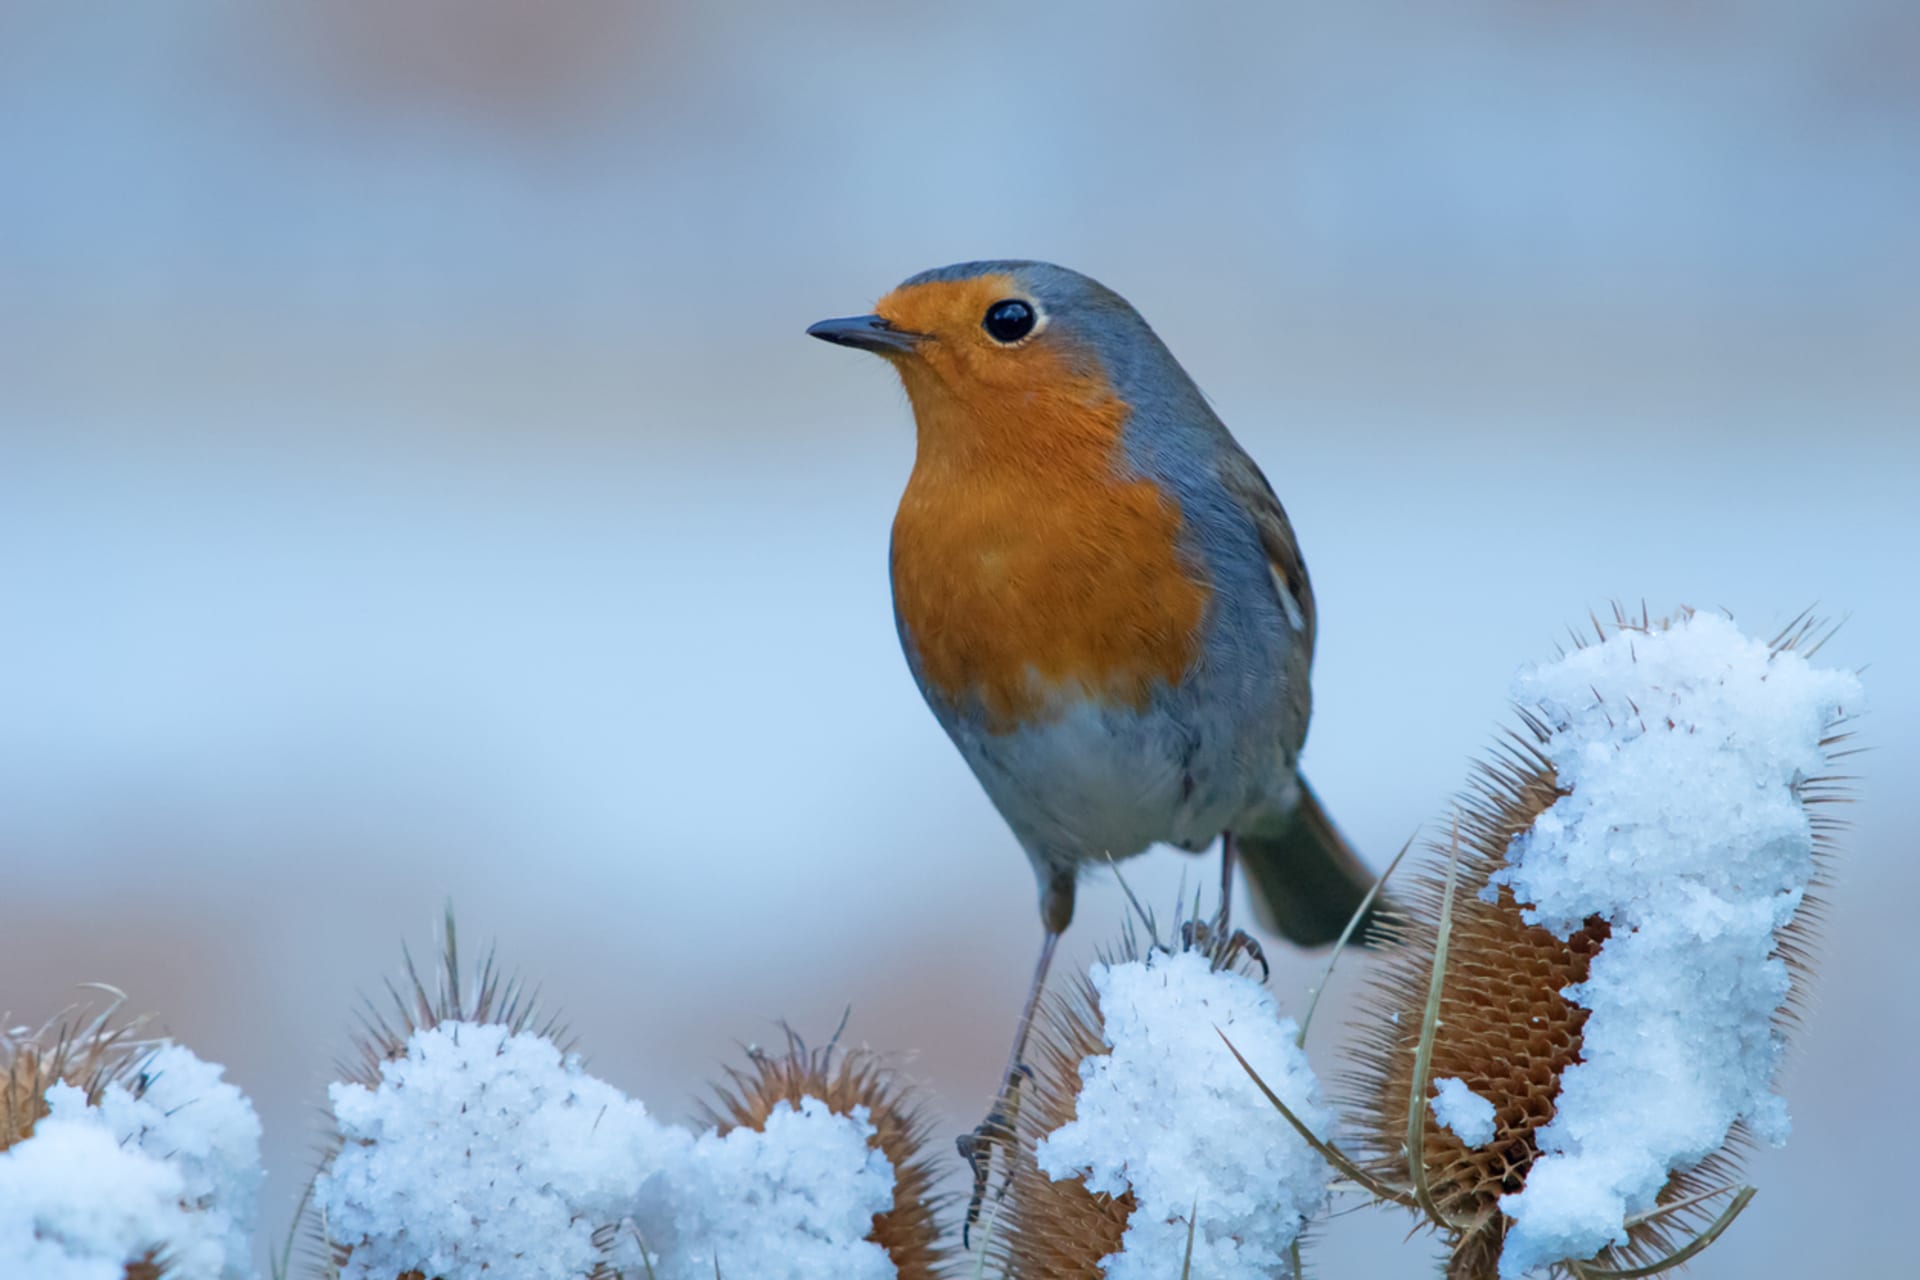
1306	879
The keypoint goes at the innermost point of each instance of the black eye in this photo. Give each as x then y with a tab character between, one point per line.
1008	320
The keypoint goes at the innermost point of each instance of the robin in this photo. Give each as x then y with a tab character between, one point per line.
1100	596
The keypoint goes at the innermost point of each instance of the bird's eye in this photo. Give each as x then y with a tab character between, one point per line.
1008	320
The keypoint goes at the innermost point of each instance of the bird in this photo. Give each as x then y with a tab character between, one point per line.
1101	598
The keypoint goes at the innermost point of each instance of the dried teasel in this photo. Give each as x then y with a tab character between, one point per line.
1040	1229
1039	1225
467	1139
416	1003
91	1053
1476	994
844	1079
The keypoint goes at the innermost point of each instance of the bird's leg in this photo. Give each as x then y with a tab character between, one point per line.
976	1147
1229	859
1213	937
1016	1061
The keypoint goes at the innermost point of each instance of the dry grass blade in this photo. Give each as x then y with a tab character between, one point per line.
1141	912
281	1266
1346	936
1679	1257
1676	1206
986	1240
1423	1054
1326	1150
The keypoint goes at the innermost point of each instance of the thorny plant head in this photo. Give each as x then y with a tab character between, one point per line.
88	1051
1470	991
845	1079
1039	1228
1476	994
414	1004
418	1003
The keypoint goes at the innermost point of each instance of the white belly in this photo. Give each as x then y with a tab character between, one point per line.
1098	782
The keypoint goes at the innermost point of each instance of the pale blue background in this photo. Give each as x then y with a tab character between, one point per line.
414	481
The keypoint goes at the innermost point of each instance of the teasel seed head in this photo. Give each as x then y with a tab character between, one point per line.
90	1052
419	1002
845	1079
1505	1029
1042	1229
1036	1227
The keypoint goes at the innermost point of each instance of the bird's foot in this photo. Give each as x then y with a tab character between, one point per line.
1223	948
976	1148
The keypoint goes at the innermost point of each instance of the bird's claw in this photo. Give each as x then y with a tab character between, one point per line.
976	1147
1199	935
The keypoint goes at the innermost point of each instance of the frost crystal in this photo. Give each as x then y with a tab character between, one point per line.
1684	751
483	1153
795	1202
1169	1115
1460	1109
206	1129
174	1171
74	1205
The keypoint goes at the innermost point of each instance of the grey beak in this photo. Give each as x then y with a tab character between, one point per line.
869	333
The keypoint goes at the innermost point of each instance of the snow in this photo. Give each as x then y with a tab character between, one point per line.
793	1202
1684	750
482	1151
175	1170
75	1205
1169	1115
204	1128
479	1147
1460	1109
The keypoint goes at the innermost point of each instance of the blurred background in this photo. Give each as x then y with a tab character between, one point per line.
415	483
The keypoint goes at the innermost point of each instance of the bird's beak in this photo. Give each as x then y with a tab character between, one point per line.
869	333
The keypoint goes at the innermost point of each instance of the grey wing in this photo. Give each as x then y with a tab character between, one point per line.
1242	479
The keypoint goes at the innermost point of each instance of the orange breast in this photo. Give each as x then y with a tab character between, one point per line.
1026	571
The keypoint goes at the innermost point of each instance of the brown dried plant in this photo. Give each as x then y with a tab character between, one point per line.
844	1079
418	1003
87	1052
487	996
1476	994
1042	1229
1038	1228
